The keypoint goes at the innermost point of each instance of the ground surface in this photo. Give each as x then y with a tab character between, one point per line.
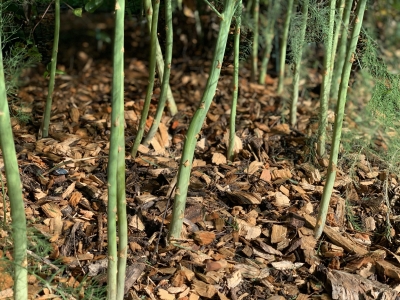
248	230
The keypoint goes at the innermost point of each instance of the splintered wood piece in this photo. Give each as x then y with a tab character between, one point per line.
234	280
353	286
337	238
278	233
51	210
281	200
74	113
280	174
165	295
267	248
204	237
136	223
75	198
252	272
203	289
189	274
218	158
286	265
388	269
240	197
312	173
219	224
142	199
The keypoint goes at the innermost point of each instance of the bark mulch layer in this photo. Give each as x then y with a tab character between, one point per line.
248	228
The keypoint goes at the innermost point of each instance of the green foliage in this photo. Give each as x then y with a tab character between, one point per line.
353	219
317	25
385	101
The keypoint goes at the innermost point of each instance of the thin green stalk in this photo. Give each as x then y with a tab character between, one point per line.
297	63
49	100
232	120
254	53
159	59
14	193
118	145
4	201
268	33
167	72
282	58
341	52
198	119
324	97
152	68
214	9
116	174
337	129
336	38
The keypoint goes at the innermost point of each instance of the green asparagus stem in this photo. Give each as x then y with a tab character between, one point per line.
49	100
337	129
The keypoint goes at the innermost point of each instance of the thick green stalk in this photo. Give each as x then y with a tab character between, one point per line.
3	193
337	129
254	53
159	59
232	120
49	100
14	193
282	58
297	64
268	33
167	72
341	52
152	69
119	144
198	119
324	96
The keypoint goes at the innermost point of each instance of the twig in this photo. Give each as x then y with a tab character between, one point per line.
48	7
42	259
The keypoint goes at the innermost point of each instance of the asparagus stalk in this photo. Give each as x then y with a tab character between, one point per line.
297	63
159	59
268	33
341	52
198	119
119	144
167	72
324	97
14	193
232	119
282	58
152	68
254	53
337	129
47	112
